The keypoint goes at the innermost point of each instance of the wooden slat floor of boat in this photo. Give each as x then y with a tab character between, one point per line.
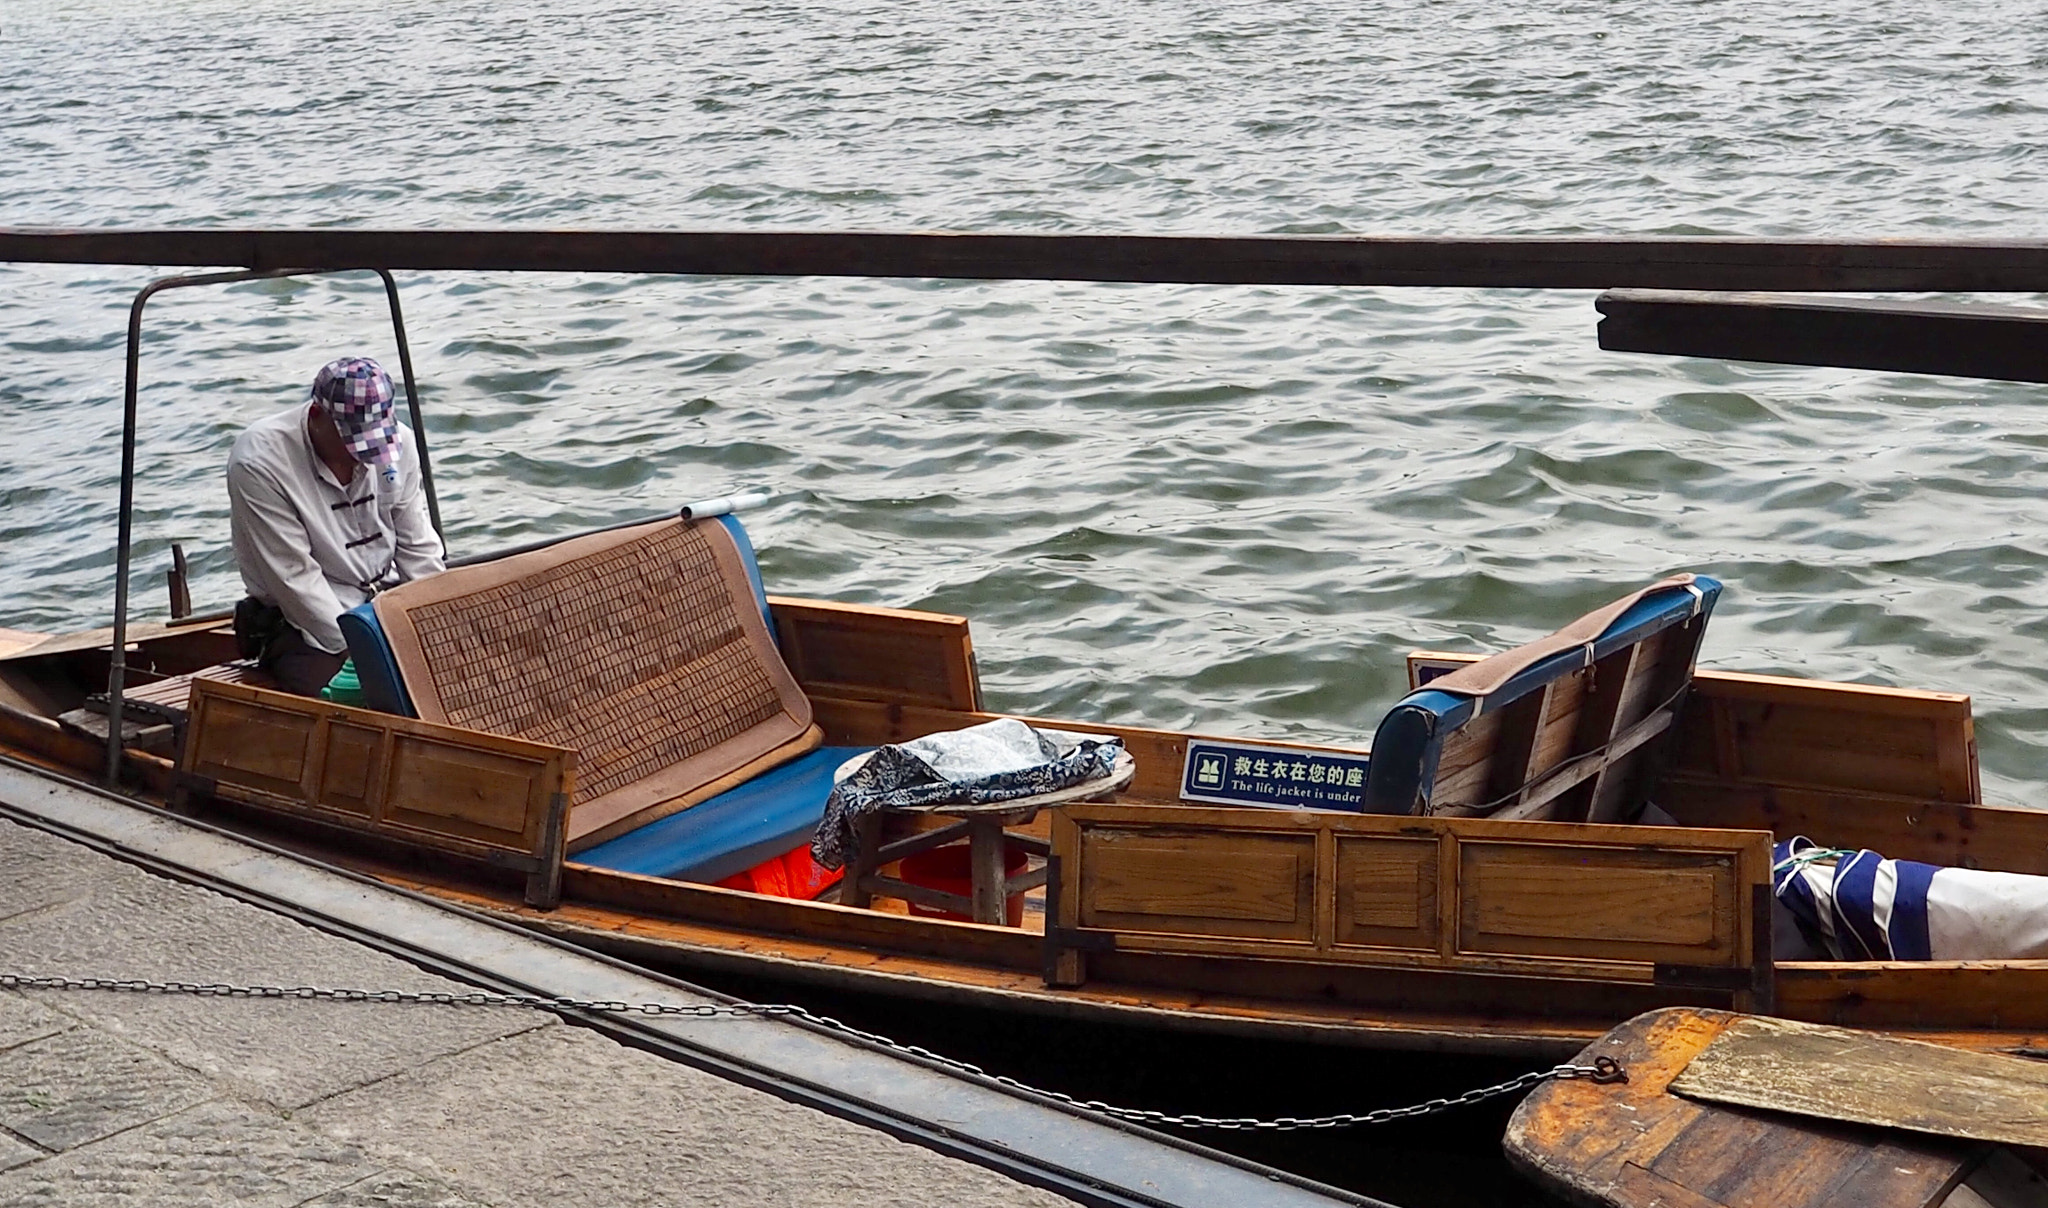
1634	1144
174	692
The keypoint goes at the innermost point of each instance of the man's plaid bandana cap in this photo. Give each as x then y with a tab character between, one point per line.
356	393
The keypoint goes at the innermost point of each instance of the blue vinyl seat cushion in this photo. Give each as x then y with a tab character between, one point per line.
734	831
746	547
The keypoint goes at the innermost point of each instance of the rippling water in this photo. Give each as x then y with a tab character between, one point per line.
1220	507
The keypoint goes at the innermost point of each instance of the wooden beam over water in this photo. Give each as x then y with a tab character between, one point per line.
1532	263
2004	342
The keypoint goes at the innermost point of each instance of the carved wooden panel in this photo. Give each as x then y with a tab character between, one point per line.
1742	729
264	748
1579	900
1609	903
1770	730
881	654
504	800
351	768
488	796
1386	893
1241	884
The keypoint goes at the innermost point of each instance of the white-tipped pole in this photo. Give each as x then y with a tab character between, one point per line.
707	508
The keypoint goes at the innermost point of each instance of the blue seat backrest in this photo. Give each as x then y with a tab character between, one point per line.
377	670
739	537
1402	777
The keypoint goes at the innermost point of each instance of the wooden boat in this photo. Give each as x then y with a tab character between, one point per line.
1744	1112
1510	906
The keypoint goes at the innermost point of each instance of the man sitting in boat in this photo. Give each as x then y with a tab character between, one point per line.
326	510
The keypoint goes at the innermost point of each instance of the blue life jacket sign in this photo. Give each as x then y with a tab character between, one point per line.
1242	773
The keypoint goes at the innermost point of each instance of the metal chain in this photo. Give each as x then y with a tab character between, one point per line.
1603	1070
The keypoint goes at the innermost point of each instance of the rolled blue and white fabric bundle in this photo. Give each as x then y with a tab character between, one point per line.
1857	905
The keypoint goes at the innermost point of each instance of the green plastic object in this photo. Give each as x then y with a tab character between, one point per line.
345	688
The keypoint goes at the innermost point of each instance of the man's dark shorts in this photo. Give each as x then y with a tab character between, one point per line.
262	633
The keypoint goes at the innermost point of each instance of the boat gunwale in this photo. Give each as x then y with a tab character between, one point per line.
1203	1011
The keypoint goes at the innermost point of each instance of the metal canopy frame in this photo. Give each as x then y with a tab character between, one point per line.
117	668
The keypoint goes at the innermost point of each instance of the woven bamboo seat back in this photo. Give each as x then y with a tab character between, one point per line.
643	649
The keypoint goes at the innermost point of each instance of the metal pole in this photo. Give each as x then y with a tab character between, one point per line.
117	666
412	404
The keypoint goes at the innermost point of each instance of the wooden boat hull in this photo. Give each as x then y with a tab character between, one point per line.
917	679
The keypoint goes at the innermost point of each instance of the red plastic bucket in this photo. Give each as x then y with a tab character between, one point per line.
949	869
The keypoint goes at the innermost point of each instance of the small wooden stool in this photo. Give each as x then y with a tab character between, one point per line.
984	826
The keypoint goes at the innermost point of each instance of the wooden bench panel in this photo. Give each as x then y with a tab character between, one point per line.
643	648
1739	729
1199	883
484	796
881	654
1996	837
1608	902
1648	905
1767	729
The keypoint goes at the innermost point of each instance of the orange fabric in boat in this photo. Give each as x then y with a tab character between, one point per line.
793	874
643	649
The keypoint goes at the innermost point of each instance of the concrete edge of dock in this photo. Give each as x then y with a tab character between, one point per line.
1081	1156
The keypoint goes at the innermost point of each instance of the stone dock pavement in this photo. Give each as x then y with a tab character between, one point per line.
111	1098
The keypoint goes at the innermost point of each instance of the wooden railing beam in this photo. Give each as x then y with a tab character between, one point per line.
1513	263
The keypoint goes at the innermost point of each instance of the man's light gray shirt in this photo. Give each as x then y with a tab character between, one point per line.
313	546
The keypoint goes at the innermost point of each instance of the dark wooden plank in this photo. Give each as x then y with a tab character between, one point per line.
1918	994
1553	263
1998	837
2002	342
880	654
1867	1078
1662	686
1514	756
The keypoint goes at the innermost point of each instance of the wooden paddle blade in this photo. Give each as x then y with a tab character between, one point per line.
1868	1078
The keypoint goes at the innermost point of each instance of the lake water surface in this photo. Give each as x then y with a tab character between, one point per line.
1227	508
